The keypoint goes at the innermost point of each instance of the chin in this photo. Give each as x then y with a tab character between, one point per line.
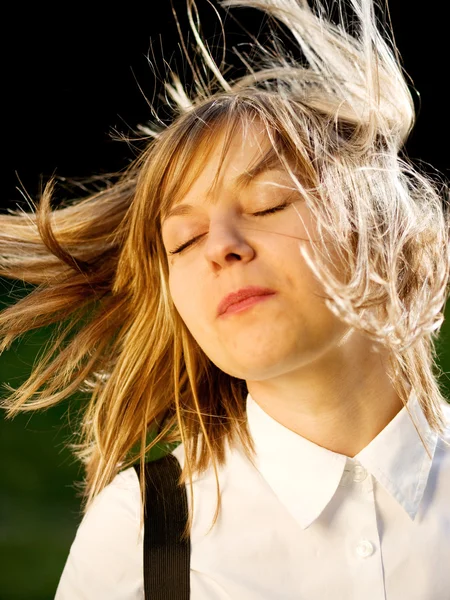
254	371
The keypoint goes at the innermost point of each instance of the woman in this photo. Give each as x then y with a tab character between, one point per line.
264	285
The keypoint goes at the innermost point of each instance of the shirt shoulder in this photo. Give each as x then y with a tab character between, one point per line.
105	560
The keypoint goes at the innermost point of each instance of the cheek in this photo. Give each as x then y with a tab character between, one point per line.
186	296
303	227
180	296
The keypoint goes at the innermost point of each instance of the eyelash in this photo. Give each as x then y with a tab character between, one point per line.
261	213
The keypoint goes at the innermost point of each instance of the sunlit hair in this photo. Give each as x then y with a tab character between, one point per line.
336	120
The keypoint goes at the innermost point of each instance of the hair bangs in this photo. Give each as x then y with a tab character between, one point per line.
223	118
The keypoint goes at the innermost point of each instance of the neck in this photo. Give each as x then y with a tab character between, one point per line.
341	402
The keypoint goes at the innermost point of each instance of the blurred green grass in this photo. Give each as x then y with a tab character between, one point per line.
40	505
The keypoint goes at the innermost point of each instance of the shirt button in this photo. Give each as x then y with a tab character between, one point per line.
364	548
346	477
359	473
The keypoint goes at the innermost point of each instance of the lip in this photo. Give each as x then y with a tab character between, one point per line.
251	291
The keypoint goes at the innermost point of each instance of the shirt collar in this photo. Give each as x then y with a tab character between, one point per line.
305	476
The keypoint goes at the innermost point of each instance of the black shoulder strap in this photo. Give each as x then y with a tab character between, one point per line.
166	557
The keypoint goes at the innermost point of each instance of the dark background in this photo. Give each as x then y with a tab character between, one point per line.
70	80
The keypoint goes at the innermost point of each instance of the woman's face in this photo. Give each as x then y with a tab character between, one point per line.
236	247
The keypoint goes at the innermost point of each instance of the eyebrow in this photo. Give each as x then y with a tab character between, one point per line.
269	162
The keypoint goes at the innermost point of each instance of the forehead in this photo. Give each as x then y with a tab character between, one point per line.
224	157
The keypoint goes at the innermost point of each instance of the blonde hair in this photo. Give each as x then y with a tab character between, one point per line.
337	121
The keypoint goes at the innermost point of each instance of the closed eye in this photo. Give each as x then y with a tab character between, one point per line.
260	213
269	211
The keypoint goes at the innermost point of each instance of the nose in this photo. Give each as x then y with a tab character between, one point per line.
225	245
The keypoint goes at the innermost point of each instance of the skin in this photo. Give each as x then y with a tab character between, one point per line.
302	365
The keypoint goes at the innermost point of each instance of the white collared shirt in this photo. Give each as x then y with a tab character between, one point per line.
307	524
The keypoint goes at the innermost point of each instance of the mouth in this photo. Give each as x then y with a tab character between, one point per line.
243	299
